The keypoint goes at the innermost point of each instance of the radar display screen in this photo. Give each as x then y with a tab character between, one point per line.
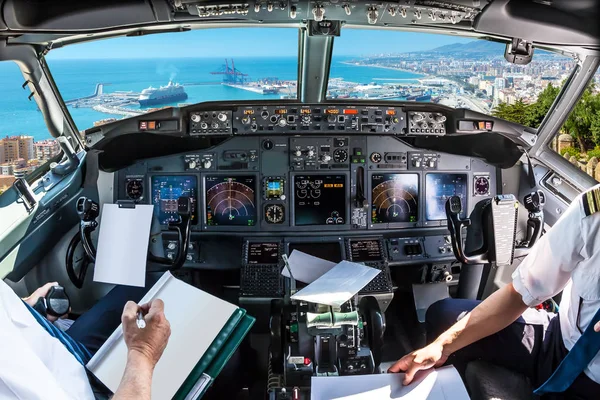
365	250
263	253
438	189
319	199
395	198
230	200
166	190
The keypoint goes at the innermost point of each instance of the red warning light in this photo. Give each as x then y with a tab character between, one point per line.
351	111
306	361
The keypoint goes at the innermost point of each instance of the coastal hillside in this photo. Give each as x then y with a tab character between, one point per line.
477	49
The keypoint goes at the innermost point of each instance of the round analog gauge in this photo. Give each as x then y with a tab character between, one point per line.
376	157
482	185
274	213
134	189
340	156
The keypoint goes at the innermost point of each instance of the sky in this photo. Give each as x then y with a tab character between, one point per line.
248	42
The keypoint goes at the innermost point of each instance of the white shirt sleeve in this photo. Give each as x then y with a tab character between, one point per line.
547	268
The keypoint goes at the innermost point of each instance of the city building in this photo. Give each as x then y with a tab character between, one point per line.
46	149
16	147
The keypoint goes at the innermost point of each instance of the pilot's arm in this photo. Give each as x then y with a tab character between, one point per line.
543	273
144	348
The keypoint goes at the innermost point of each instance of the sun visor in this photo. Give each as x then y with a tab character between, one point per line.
75	15
559	23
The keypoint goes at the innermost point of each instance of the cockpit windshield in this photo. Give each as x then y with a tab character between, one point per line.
455	71
105	80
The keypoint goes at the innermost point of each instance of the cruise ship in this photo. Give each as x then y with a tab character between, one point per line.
164	94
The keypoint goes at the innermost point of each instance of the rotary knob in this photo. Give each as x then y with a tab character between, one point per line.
192	164
222	117
206	164
196	118
440	118
311	153
282	122
325	158
298	153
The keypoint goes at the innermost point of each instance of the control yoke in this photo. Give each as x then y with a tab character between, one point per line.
497	228
534	203
88	210
456	225
183	227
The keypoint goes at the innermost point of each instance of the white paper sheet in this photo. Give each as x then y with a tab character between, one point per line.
123	245
196	318
440	384
338	285
306	268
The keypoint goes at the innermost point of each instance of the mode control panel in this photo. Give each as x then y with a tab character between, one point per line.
330	119
426	123
210	123
319	153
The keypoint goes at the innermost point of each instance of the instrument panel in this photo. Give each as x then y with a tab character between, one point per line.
316	118
308	183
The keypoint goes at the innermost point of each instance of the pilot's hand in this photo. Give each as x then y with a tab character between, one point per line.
597	327
425	358
148	342
39	293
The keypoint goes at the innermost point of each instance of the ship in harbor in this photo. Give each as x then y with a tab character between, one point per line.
162	95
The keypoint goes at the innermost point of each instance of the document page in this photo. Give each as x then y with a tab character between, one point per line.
338	285
123	245
306	268
196	318
434	384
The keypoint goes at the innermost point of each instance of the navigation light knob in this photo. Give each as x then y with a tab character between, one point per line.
206	164
222	117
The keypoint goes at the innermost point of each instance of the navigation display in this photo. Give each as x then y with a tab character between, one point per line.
167	189
263	253
319	199
394	198
365	250
230	200
438	189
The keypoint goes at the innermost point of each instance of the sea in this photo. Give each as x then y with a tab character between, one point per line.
78	78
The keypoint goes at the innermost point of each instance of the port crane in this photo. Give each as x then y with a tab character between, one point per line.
231	75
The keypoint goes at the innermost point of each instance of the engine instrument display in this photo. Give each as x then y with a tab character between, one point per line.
230	200
319	199
395	198
365	250
439	188
263	253
167	189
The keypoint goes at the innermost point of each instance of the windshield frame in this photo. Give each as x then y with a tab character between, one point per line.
306	45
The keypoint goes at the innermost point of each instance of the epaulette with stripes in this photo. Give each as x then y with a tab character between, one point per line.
591	201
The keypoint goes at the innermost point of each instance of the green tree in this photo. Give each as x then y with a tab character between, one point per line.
538	110
512	112
579	123
595	128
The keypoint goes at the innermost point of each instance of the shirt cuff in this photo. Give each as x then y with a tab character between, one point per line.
520	287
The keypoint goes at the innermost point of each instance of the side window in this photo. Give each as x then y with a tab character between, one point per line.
25	143
579	138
